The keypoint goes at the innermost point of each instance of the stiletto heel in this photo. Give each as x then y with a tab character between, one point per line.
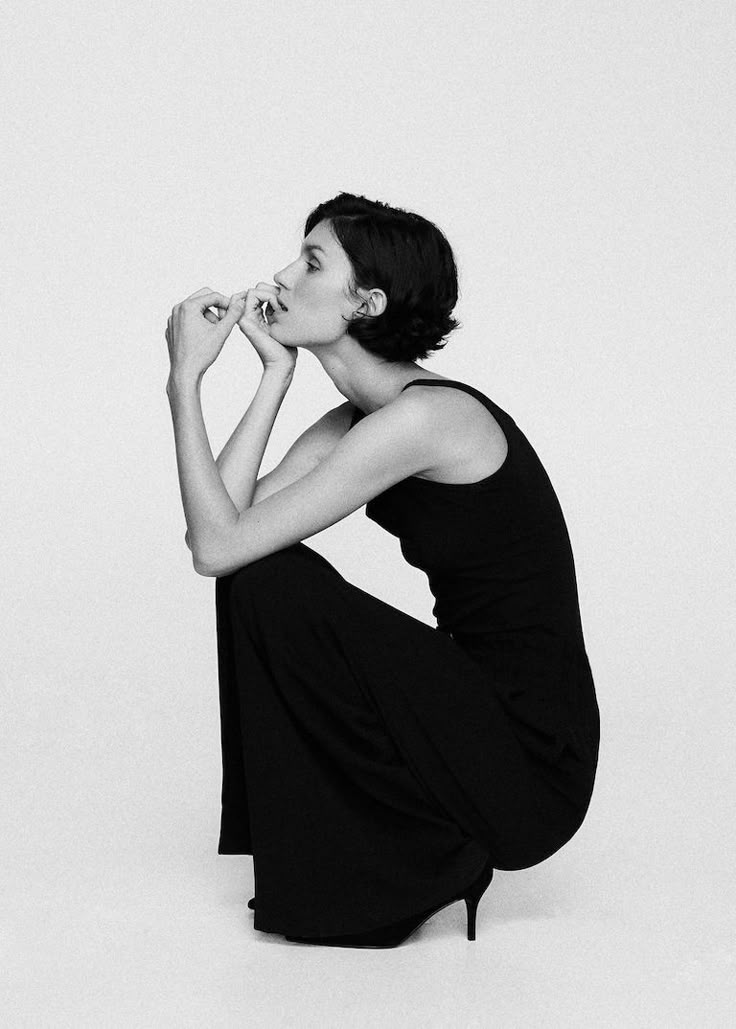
473	895
471	909
393	935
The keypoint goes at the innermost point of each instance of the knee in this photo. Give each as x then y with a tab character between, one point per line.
278	576
265	569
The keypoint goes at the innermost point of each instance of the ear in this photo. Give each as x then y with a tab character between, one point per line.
374	302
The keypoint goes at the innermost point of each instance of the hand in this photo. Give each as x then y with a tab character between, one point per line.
195	335
255	328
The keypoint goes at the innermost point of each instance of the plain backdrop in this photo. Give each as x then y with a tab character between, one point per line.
580	158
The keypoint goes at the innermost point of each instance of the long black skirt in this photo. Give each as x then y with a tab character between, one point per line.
371	764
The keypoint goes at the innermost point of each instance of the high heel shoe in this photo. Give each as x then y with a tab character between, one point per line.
393	935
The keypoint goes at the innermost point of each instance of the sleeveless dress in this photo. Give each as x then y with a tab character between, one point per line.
373	763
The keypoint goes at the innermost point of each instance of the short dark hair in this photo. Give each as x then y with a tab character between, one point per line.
407	257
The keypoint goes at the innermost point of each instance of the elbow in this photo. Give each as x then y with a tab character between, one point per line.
204	566
212	557
207	554
205	562
218	567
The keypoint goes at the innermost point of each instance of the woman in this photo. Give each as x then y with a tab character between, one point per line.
377	768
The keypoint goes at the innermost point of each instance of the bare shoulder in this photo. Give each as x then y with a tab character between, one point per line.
408	410
452	405
469	444
392	443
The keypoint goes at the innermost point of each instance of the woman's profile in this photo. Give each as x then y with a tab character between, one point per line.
375	767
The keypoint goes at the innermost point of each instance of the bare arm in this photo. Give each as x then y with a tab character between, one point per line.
399	440
306	452
240	459
237	459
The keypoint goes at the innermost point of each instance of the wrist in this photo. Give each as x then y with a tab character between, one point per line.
272	373
180	381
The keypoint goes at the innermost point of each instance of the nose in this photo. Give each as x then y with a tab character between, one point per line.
278	278
281	278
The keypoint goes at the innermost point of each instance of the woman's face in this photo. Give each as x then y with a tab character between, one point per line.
314	289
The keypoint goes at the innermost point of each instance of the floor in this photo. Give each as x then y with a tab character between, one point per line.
117	911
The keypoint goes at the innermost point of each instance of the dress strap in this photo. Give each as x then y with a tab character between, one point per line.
445	382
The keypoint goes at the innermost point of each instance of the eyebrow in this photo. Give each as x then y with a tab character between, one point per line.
314	246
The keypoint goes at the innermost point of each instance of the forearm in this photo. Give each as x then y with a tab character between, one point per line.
240	459
208	509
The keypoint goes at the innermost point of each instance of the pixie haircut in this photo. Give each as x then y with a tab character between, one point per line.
407	257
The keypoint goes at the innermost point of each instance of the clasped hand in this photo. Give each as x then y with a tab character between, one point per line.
198	327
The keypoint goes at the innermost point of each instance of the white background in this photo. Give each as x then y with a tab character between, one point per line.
579	157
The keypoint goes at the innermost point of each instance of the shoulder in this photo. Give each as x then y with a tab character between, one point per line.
453	406
463	427
437	410
408	413
403	436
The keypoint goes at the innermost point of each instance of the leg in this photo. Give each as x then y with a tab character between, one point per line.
235	834
381	770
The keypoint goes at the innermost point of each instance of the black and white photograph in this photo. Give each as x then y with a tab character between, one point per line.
368	515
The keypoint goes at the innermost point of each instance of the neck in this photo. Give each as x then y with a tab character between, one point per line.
365	380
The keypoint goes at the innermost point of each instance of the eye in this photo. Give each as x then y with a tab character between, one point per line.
313	267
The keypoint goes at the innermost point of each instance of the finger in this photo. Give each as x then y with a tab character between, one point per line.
258	285
204	289
271	291
205	300
212	317
234	312
263	290
255	299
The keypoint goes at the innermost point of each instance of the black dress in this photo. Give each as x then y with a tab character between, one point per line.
371	762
